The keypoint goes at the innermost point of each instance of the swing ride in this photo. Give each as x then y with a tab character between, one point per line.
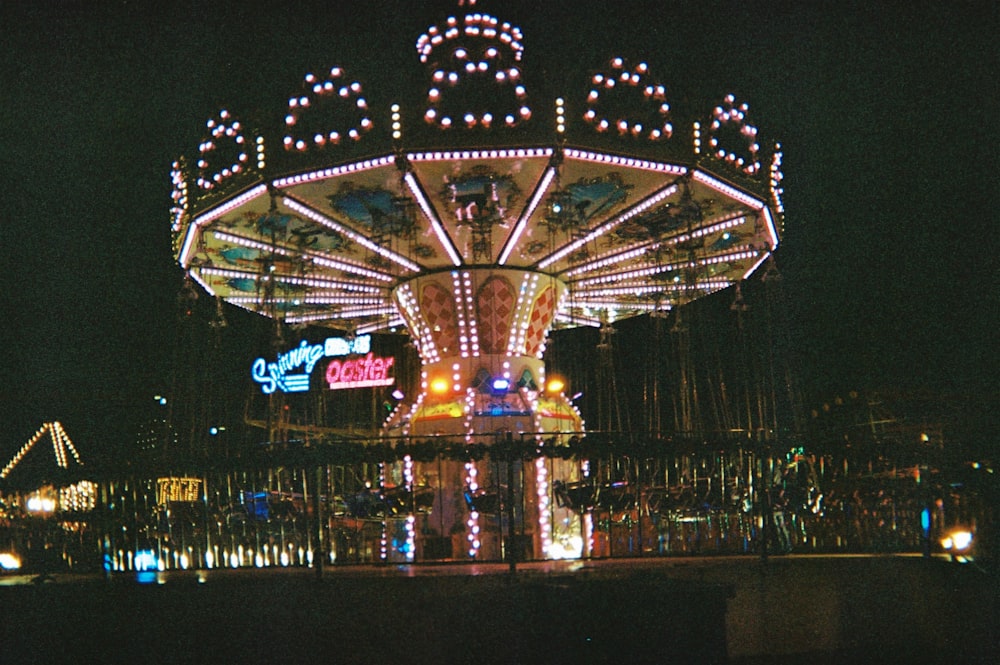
479	219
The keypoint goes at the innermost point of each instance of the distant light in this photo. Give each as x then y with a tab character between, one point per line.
501	385
37	504
555	385
962	539
958	540
145	560
439	386
9	561
397	394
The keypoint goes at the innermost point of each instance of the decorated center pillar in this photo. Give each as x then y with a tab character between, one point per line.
481	335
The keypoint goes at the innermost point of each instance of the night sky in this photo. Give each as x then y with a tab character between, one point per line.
887	113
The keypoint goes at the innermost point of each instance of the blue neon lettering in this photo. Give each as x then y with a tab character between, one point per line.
260	375
276	375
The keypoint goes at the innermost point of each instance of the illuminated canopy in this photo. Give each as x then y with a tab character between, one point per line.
479	216
631	200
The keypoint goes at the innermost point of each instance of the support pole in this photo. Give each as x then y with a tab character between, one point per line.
320	554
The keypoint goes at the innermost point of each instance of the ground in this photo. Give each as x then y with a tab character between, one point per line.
697	610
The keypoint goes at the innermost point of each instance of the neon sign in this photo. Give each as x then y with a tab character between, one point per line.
365	372
277	375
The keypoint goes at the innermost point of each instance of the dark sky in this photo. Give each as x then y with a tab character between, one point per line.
888	114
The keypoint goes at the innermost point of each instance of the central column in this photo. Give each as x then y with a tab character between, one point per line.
481	333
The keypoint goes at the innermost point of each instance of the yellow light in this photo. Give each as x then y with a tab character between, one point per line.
962	539
555	385
439	386
9	561
958	540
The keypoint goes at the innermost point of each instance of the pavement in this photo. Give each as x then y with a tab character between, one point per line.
741	610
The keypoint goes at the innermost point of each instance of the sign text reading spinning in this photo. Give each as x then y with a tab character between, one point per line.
366	371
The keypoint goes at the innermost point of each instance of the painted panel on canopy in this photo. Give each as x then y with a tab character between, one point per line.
718	223
682	227
280	238
243	267
723	225
714	203
290	298
652	282
480	198
234	252
588	194
242	221
377	205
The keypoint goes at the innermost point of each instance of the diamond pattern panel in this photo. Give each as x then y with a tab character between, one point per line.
541	319
494	310
438	309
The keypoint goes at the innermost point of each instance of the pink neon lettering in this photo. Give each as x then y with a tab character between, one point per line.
369	370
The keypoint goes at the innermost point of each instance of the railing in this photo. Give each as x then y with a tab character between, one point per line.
509	498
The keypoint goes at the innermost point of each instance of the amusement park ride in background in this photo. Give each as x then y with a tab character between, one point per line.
63	490
480	218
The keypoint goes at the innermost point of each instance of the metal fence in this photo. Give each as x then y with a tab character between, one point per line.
511	500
